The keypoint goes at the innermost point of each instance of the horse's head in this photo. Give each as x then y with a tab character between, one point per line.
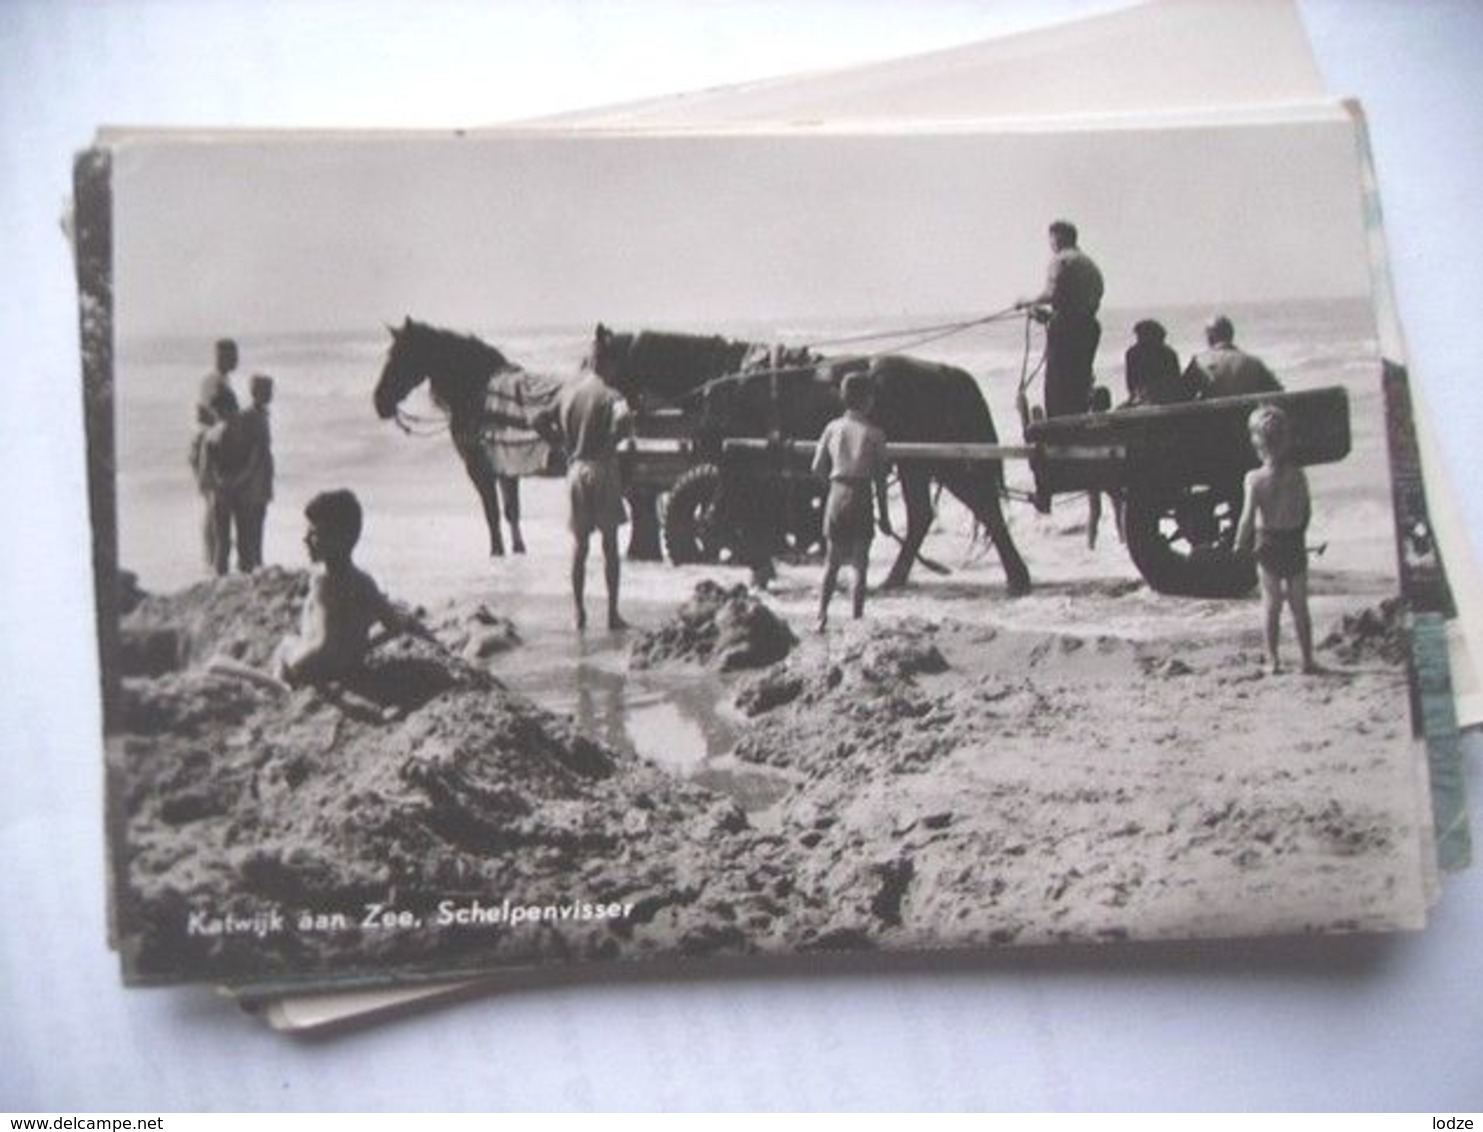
403	372
660	367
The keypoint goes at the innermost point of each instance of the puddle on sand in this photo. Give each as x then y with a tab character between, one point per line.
675	720
676	725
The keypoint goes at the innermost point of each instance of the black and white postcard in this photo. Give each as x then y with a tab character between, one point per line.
462	531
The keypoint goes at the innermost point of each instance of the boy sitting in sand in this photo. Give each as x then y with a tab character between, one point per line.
852	453
343	601
1275	522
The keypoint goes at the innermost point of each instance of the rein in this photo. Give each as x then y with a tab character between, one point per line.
915	335
924	335
418	426
421	426
1027	376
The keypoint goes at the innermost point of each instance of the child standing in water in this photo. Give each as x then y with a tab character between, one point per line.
1275	522
852	454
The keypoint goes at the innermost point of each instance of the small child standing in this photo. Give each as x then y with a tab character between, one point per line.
1275	523
343	603
852	454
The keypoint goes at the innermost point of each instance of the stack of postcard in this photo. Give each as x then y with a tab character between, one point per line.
377	419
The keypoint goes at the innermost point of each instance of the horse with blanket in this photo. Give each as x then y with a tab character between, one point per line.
495	414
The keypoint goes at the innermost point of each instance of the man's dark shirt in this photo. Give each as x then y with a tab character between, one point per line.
1073	285
1227	371
1153	374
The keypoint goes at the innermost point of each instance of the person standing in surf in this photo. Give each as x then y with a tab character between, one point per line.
215	403
252	488
593	417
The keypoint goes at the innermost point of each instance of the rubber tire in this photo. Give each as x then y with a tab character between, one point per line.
1182	539
687	539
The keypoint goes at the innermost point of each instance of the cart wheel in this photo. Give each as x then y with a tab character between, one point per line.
1183	539
691	530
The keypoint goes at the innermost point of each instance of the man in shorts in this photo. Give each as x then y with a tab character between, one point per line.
594	418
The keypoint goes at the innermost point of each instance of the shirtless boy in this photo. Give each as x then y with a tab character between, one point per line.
1275	523
343	603
852	454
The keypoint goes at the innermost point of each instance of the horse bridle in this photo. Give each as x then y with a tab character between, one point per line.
414	425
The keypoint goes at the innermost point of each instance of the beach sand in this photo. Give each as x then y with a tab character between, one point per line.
908	781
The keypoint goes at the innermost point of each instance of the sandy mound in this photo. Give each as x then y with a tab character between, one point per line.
239	616
479	635
944	784
241	801
969	786
722	629
1378	633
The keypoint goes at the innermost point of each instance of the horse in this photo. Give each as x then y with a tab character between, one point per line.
460	371
915	401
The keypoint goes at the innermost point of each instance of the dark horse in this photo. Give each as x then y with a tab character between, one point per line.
458	369
915	401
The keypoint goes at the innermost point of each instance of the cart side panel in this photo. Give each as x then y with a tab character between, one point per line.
1199	442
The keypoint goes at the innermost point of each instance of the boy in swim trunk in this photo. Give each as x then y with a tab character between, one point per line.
852	453
343	603
1274	526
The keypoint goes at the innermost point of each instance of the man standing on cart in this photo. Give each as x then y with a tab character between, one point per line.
1068	307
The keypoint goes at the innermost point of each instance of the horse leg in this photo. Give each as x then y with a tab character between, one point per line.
476	463
916	492
980	493
643	539
509	490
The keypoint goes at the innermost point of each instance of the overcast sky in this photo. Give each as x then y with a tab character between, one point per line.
685	232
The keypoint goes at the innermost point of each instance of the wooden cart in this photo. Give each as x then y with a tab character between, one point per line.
1178	469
